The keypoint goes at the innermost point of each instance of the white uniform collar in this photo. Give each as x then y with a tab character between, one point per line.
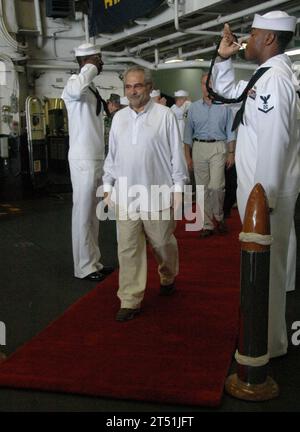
283	62
280	60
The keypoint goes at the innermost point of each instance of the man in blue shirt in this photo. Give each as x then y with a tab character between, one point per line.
209	146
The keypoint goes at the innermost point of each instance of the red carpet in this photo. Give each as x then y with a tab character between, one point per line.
177	351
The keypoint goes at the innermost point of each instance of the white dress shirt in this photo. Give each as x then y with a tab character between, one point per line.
146	149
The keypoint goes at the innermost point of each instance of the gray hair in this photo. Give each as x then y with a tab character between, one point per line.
136	68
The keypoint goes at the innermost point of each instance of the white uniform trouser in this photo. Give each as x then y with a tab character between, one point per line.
209	162
86	176
281	220
291	261
132	254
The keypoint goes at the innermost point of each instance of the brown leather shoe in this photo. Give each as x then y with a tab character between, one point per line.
126	314
206	233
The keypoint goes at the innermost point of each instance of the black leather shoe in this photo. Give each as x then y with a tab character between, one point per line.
222	227
126	314
96	276
167	290
106	270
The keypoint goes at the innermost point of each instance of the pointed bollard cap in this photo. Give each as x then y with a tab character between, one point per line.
257	219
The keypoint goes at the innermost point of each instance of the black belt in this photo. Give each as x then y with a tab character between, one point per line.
200	140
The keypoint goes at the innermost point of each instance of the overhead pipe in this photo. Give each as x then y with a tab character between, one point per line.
86	28
214	22
194	32
156	55
211	23
38	21
179	65
196	39
208	49
134	60
55	38
192	53
201	64
12	43
68	67
143	63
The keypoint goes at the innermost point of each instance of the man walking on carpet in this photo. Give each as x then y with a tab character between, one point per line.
145	147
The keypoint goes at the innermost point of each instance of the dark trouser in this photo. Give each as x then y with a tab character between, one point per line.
230	190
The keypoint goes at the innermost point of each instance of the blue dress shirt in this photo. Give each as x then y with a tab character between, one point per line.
208	122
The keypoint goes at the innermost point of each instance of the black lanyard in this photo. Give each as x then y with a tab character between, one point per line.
242	98
99	100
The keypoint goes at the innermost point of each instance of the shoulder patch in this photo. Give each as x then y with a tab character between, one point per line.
265	103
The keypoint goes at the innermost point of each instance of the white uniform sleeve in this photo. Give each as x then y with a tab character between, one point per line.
178	162
78	84
223	80
273	104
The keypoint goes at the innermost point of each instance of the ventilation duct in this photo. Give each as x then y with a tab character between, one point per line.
59	8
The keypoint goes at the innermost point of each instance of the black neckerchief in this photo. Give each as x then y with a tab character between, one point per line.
100	102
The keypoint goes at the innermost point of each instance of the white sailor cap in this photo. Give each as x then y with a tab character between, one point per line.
275	20
181	93
87	49
155	93
124	100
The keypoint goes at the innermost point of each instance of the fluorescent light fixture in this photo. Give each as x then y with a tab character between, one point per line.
199	59
293	52
174	60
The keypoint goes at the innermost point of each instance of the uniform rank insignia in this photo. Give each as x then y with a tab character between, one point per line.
265	104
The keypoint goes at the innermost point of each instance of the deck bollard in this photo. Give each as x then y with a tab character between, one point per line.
251	382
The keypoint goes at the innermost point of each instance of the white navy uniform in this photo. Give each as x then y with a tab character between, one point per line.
268	152
86	158
181	114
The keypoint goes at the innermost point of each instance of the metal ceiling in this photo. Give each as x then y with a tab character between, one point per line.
186	30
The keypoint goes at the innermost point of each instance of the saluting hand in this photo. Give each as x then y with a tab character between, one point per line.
96	60
227	46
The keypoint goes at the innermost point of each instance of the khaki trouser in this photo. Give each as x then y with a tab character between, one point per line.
132	255
209	162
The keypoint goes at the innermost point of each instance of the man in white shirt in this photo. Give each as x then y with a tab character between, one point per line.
145	149
268	147
180	108
86	156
